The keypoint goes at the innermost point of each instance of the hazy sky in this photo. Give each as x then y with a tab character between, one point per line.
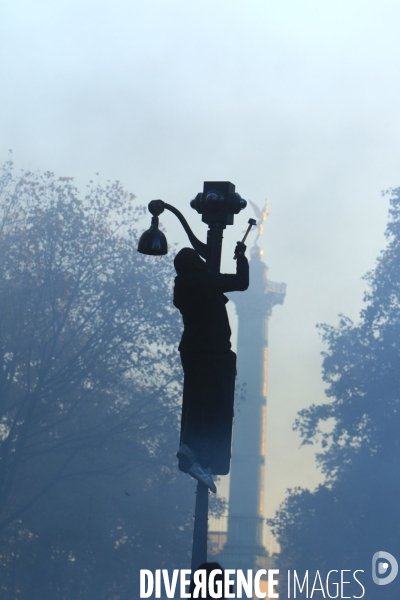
293	100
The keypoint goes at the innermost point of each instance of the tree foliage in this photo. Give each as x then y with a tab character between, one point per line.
362	368
89	382
355	513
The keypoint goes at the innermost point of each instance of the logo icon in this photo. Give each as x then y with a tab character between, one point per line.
381	561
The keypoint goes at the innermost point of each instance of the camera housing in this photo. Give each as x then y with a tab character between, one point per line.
218	203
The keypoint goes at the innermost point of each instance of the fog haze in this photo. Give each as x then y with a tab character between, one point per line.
292	101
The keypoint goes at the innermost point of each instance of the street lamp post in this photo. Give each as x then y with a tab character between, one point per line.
218	203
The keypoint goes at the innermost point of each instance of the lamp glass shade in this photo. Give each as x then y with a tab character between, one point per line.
153	242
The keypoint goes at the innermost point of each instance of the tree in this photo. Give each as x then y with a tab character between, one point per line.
355	512
89	388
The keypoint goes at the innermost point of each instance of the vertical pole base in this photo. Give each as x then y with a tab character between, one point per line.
199	548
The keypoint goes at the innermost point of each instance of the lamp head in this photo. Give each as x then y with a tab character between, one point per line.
153	242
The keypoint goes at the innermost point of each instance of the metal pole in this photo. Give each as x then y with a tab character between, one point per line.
214	242
200	532
199	548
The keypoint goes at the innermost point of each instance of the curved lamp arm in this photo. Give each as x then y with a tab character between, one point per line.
156	207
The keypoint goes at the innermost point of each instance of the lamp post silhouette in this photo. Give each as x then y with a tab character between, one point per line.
218	203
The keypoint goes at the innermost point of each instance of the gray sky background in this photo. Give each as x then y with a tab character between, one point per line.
293	100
